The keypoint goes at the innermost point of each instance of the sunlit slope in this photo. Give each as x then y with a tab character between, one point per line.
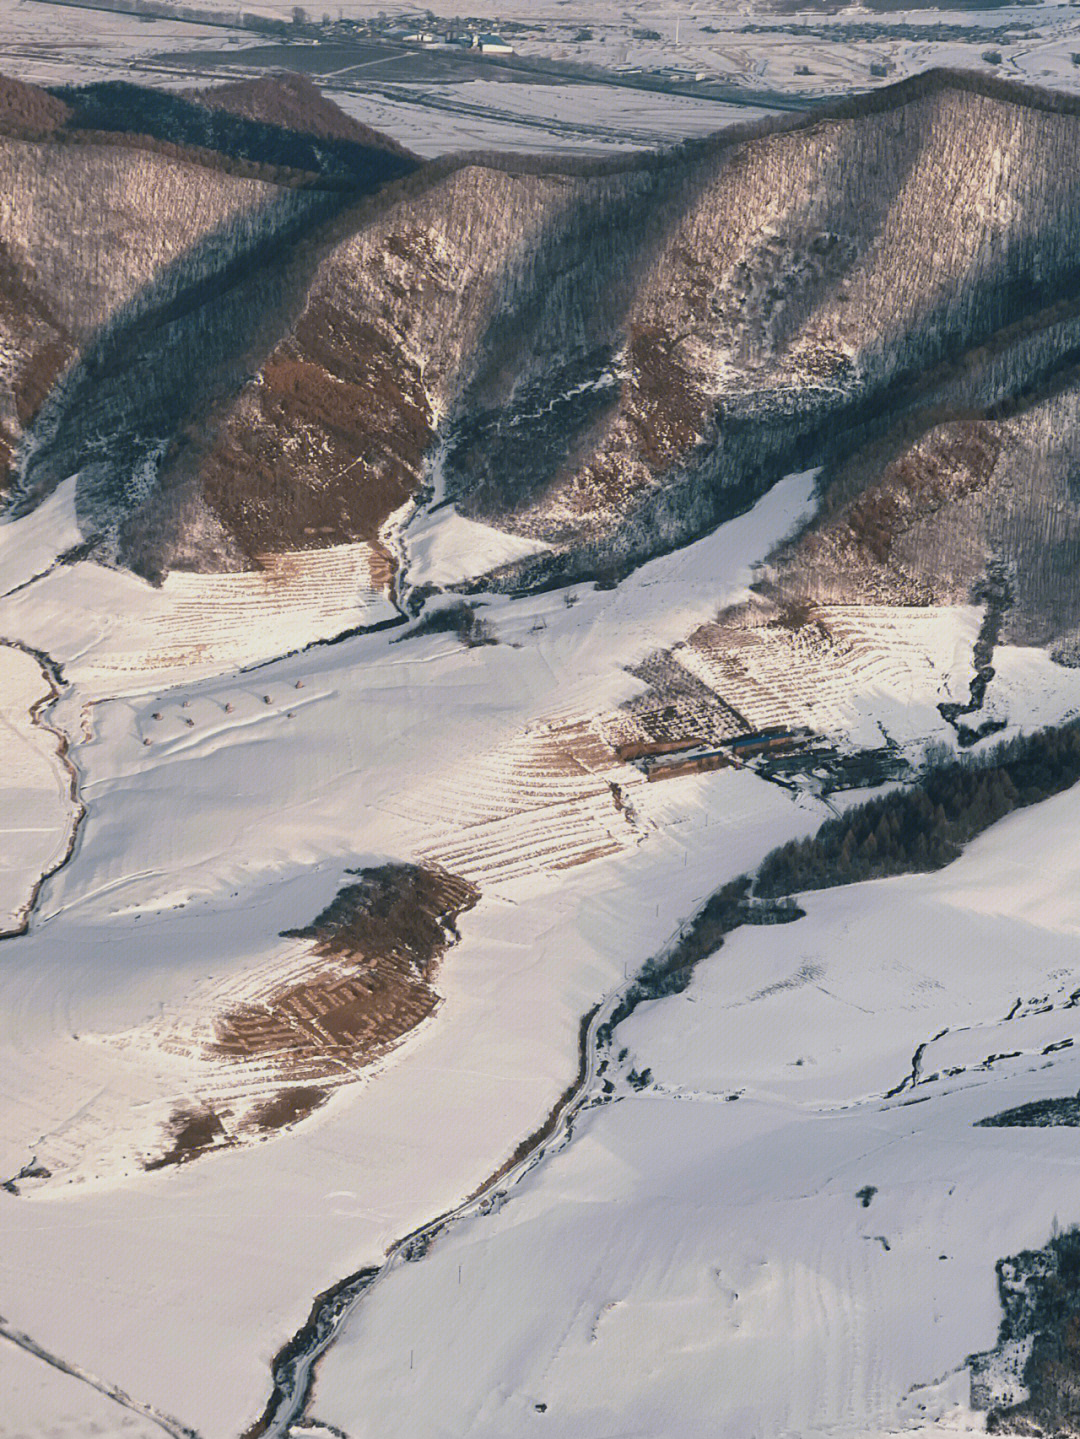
742	309
153	251
606	357
94	236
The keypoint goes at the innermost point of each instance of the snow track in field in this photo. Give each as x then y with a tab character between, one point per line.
258	793
757	1239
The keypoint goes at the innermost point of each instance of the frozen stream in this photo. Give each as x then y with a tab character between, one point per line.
294	1367
596	1083
41	811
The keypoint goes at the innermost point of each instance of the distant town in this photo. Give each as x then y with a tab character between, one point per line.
421	29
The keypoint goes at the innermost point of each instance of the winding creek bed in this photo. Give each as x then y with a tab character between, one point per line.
42	810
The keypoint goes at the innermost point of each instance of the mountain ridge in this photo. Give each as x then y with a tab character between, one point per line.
609	357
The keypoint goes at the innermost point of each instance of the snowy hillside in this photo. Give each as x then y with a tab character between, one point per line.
302	335
759	1239
539	741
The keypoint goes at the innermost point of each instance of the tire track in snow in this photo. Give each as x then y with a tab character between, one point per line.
164	1422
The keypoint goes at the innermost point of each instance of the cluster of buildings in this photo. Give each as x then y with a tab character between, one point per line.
297	21
461	37
780	754
667	759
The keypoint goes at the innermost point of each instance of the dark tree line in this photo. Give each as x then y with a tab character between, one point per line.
1039	1290
920	828
120	107
728	909
926	826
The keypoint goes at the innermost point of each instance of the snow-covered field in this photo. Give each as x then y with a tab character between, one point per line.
37	812
126	635
805	48
868	672
548	119
199	849
259	790
752	46
699	1260
696	1260
39	1399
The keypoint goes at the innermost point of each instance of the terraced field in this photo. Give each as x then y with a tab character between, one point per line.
360	979
211	618
754	669
550	799
129	635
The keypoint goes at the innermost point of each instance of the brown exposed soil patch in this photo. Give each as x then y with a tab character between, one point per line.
795	615
326	444
36	377
41	348
287	1107
193	1132
667	409
28	110
949	464
374	952
907	537
403	909
379	943
330	1019
599	851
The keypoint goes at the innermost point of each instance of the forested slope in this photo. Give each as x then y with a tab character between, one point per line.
259	352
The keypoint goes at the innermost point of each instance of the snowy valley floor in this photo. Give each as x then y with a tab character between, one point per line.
689	1251
758	50
759	1242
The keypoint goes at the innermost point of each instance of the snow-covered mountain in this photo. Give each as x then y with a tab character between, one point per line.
538	741
241	357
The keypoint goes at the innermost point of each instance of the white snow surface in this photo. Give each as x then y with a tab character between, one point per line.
30	548
121	635
259	790
36	812
199	849
697	1260
40	1400
747	45
445	547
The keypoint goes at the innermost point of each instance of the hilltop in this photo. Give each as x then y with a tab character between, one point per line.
604	358
292	102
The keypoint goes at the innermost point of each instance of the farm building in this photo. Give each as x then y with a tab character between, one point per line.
684	764
492	45
767	741
631	750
